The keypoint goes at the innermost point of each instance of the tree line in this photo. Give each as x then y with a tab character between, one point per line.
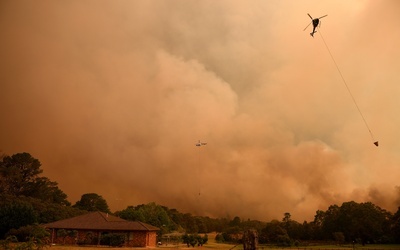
28	199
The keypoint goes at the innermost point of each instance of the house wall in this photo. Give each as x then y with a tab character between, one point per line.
88	237
152	239
133	238
138	239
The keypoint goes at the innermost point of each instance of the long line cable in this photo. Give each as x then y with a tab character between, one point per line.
348	89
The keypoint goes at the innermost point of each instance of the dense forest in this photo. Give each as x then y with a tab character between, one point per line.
28	199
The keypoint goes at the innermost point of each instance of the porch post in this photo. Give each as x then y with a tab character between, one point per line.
52	235
98	238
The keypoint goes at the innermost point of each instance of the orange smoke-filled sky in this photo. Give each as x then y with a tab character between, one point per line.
112	96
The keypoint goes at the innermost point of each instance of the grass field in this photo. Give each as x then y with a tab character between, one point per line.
228	246
212	245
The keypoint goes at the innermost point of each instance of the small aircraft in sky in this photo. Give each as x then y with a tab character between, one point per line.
315	22
201	144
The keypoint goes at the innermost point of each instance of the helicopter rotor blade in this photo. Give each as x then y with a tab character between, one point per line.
307	26
310	16
322	17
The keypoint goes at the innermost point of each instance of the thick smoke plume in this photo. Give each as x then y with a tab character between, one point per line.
112	96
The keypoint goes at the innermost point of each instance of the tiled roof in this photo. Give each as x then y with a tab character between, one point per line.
100	221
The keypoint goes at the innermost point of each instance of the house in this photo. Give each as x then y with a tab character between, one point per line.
89	229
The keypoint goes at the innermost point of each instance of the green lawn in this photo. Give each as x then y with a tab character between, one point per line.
336	247
238	247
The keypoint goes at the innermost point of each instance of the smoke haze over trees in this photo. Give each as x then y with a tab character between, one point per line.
22	207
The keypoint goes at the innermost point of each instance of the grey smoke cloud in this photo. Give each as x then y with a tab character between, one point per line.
111	97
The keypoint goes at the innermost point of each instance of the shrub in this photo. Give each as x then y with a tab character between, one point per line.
219	238
26	233
113	239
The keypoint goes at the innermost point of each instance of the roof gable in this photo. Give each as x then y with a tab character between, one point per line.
100	221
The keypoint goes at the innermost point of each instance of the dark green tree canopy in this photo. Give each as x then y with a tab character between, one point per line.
15	214
131	213
92	202
27	198
17	172
396	226
150	213
357	221
19	176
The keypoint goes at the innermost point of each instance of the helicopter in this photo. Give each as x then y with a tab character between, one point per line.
315	22
199	144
